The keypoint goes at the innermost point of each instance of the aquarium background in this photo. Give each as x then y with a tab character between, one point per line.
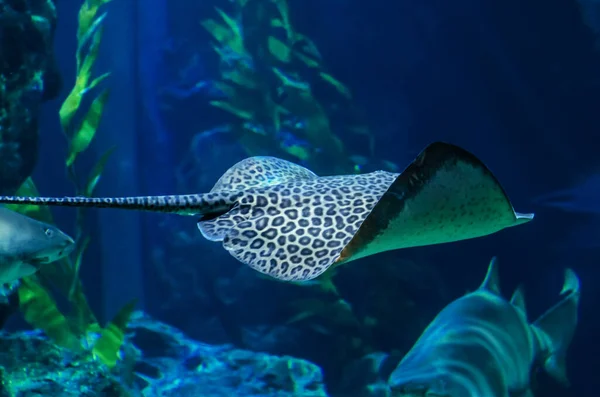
515	82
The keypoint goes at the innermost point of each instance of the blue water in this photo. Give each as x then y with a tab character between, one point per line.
516	83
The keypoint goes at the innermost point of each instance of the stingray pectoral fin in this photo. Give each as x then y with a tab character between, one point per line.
215	229
446	194
266	249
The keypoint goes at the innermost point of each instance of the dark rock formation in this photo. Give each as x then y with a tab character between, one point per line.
28	77
159	361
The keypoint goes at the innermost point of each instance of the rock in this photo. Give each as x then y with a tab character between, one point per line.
30	365
28	77
173	365
159	361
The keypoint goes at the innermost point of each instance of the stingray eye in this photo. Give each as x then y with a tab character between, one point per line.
49	232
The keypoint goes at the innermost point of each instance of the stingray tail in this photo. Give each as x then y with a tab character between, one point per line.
190	204
557	327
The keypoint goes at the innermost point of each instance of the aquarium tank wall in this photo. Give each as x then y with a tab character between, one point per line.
277	198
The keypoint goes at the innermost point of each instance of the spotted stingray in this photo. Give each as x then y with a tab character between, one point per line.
283	220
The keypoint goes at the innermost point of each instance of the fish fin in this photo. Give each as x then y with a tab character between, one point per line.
446	194
256	244
518	300
260	171
216	229
491	283
558	326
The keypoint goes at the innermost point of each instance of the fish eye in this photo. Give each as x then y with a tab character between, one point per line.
49	232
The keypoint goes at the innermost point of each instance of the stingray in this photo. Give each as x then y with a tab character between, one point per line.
285	221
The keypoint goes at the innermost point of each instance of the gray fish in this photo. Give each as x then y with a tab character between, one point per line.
27	244
482	345
283	220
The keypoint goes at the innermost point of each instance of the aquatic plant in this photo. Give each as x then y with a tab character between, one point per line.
79	330
270	75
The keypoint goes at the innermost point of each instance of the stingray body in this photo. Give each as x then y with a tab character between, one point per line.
285	221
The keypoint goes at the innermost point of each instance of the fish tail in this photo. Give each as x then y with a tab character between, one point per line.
191	204
557	327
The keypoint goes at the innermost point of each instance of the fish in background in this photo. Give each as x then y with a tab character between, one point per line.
25	245
482	345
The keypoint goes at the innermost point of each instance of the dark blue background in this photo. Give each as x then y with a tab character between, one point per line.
515	82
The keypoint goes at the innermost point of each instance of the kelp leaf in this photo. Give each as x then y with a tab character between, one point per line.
73	100
84	136
69	108
281	51
311	63
220	32
86	15
95	82
40	310
243	114
233	25
298	151
339	86
85	70
81	316
107	347
77	266
282	7
309	47
237	41
291	80
227	89
87	35
239	78
97	172
39	212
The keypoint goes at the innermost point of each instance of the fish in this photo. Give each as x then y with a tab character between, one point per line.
27	244
285	221
483	345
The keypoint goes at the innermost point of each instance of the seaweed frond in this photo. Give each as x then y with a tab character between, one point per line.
271	78
38	306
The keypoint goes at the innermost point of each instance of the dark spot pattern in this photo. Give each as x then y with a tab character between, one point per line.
303	221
